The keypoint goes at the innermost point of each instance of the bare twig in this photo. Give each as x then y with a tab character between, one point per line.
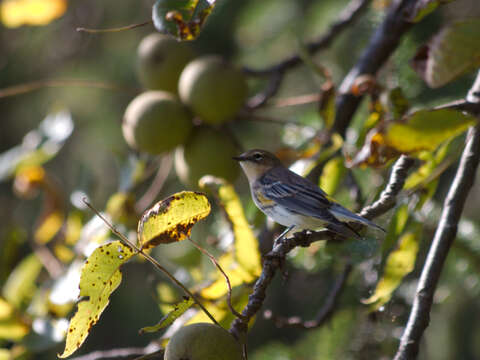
444	236
275	258
382	44
346	17
117	29
156	185
276	72
154	262
35	85
325	311
121	353
388	197
462	105
227	280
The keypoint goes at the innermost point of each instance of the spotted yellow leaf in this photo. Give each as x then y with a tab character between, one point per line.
99	278
172	219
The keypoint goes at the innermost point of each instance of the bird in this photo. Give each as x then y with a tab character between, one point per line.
294	201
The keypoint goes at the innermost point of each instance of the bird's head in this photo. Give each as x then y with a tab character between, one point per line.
256	162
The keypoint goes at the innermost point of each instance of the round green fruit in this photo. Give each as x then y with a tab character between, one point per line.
156	121
203	341
213	89
207	152
161	60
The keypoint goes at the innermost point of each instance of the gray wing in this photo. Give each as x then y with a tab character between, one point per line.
296	194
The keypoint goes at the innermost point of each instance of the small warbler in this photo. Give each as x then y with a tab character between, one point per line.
292	200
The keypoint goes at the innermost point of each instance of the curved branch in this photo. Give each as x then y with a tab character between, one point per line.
325	312
382	44
444	236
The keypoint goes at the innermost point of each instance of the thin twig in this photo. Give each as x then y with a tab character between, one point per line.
269	119
444	236
346	17
382	44
54	267
120	353
227	280
154	262
388	197
325	311
118	29
297	100
276	72
35	85
156	185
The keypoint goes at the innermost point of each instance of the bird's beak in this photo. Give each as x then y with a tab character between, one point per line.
239	158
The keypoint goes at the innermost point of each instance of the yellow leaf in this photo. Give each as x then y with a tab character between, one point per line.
11	326
399	263
49	226
172	219
427	129
20	285
246	244
73	227
236	274
99	279
332	174
14	13
220	310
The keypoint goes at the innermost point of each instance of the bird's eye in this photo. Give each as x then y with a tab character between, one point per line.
258	156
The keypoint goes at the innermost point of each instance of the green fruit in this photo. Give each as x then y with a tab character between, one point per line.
161	60
207	152
156	121
203	341
213	89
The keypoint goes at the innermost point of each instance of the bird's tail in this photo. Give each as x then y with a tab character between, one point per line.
346	215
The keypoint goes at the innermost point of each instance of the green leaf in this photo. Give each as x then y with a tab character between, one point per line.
181	18
395	227
452	52
399	263
20	285
172	219
332	175
425	7
426	130
430	169
170	317
99	279
397	103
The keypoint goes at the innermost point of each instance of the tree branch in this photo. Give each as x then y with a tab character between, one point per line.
275	258
121	353
325	312
382	44
444	236
346	17
276	72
